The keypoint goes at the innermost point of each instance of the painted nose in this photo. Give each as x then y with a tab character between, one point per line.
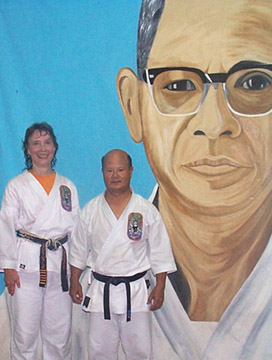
214	119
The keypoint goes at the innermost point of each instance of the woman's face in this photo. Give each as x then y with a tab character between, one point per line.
41	148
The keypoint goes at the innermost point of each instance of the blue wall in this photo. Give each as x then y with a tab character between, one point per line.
59	61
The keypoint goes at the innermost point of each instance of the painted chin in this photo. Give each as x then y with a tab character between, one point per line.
200	180
222	177
222	190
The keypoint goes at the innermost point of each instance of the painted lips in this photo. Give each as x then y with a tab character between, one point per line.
214	167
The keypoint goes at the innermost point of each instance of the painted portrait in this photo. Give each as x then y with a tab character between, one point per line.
201	105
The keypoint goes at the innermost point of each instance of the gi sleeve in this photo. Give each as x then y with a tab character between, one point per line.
10	211
159	248
79	248
75	202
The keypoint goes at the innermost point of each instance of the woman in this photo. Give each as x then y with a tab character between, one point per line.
38	213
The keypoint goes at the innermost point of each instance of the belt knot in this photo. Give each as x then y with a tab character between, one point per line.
116	280
53	244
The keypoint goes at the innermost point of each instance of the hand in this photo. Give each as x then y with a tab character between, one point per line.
156	297
76	291
12	280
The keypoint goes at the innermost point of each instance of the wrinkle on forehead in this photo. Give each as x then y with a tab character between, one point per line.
253	29
204	31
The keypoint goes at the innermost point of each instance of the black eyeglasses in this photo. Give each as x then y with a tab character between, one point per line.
181	91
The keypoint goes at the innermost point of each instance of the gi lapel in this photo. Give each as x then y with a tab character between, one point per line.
49	204
176	325
237	335
117	226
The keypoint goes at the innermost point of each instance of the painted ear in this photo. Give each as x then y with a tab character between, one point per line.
127	88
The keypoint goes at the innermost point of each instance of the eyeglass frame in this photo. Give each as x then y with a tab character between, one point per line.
208	79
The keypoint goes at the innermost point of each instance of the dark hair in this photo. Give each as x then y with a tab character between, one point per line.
41	127
128	158
150	15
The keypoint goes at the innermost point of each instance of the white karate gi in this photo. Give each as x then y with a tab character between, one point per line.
102	242
27	206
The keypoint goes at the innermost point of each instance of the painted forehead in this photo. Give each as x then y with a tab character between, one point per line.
229	32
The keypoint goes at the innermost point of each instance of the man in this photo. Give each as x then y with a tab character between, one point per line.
202	106
120	236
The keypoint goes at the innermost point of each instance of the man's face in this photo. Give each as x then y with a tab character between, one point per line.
116	171
214	157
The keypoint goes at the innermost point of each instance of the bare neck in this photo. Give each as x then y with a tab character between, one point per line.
118	201
42	171
216	253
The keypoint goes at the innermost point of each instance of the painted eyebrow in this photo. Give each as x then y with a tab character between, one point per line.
245	64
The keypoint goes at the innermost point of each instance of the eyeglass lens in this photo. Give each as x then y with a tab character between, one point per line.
182	92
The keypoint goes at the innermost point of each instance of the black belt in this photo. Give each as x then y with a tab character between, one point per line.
116	280
51	245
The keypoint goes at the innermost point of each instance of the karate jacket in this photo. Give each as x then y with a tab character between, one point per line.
135	242
27	206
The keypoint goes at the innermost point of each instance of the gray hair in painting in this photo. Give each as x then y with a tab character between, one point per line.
149	18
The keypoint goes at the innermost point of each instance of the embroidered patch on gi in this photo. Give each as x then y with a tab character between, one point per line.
65	195
135	226
22	266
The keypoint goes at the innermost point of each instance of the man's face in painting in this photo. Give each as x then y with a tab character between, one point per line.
213	157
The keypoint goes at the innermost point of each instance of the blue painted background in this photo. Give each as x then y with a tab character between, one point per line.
59	61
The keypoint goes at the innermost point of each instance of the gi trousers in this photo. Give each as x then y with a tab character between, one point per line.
46	311
106	335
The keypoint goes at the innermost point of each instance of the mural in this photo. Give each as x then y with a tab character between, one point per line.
202	112
202	105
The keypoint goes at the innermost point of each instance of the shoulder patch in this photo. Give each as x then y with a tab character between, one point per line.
66	199
135	226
